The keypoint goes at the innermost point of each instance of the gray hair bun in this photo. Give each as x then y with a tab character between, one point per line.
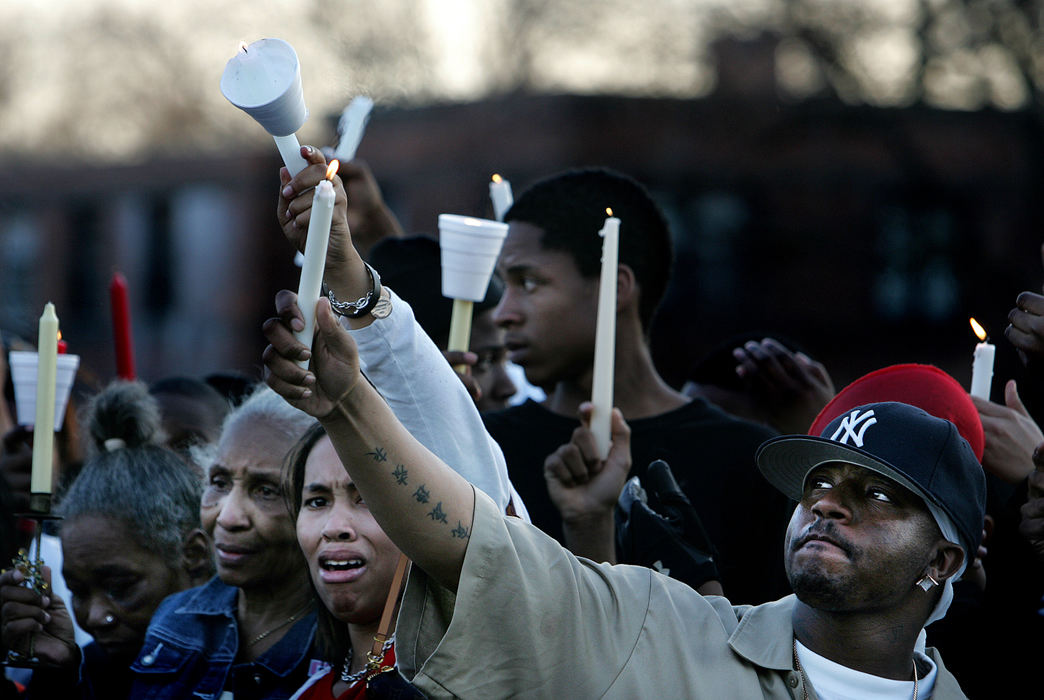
124	414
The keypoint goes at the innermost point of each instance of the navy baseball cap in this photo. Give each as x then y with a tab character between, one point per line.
923	453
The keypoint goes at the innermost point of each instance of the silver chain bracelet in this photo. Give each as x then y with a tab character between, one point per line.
364	304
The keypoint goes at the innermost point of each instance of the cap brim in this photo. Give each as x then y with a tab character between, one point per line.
785	461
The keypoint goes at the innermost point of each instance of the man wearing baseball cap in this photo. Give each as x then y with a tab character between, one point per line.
886	495
889	506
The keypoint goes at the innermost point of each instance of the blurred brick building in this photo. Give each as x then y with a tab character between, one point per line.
867	235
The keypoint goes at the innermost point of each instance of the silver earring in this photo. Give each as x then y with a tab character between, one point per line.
109	619
926	582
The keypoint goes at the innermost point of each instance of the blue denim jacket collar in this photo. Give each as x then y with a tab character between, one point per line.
212	598
208	612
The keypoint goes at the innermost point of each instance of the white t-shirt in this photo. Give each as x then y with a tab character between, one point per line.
833	681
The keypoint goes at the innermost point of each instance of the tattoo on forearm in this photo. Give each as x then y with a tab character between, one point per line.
421	494
438	514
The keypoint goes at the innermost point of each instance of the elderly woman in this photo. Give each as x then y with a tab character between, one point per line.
130	536
248	631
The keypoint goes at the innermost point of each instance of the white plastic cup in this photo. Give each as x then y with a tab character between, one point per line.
470	248
265	82
23	372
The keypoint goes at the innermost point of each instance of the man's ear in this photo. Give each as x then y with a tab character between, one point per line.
946	562
626	288
197	559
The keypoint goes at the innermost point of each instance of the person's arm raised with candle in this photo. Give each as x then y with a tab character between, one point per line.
346	274
584	487
389	466
396	355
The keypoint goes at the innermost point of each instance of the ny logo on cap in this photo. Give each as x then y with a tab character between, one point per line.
854	426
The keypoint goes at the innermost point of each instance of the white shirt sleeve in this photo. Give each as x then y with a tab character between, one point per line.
431	402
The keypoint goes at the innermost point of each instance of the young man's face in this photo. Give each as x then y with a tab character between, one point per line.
548	310
857	540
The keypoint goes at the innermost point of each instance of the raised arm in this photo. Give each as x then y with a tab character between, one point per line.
424	506
395	353
585	488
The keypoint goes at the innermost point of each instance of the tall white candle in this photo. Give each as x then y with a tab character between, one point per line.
605	337
500	193
315	258
982	364
43	427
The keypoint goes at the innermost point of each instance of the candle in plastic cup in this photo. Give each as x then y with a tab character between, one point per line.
264	80
469	251
23	373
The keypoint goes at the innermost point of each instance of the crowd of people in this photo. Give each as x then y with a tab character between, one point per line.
368	522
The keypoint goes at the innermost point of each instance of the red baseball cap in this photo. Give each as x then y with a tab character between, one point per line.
925	386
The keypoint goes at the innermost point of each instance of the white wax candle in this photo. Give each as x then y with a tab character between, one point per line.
982	370
351	126
290	149
43	427
500	193
315	259
605	338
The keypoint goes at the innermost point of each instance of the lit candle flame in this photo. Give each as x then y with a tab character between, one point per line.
608	211
497	178
331	169
59	336
979	330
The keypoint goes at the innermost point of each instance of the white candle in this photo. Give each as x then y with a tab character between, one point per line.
264	80
500	193
982	364
290	150
605	338
460	329
43	427
351	126
315	259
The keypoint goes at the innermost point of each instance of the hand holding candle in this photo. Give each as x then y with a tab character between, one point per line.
500	194
315	255
469	249
982	364
605	337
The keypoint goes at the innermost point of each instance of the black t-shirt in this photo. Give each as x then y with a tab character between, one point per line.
712	456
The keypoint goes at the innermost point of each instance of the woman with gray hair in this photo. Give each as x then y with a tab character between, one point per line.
130	535
249	630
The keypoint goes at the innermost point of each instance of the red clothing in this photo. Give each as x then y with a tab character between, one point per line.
322	689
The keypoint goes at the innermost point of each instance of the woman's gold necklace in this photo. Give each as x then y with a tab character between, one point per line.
281	625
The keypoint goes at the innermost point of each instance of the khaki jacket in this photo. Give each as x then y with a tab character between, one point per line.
530	620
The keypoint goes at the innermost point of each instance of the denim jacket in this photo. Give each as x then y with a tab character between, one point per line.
191	645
